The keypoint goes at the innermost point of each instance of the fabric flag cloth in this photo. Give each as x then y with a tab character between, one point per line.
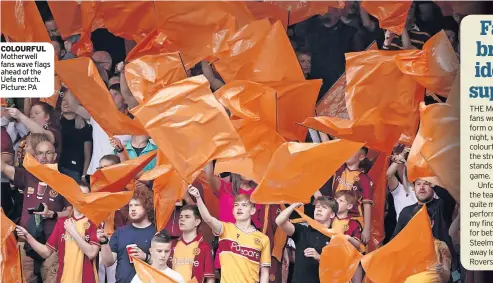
199	39
436	149
410	252
398	93
83	80
73	16
340	268
370	128
96	206
154	43
10	259
297	170
435	67
21	22
114	178
148	74
269	11
302	10
186	110
260	53
314	224
149	274
391	15
90	20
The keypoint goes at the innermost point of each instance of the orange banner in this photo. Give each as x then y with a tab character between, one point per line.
72	17
186	110
269	11
148	74
154	43
83	80
340	268
149	274
297	170
391	15
410	252
96	206
21	22
302	10
10	260
435	67
315	225
114	178
435	154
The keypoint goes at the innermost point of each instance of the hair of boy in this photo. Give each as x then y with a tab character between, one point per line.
365	150
194	209
145	196
115	159
243	197
327	202
348	196
161	237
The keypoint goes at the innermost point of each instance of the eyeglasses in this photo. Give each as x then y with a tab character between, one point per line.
45	154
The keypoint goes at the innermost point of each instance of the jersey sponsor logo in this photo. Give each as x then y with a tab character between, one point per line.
53	194
257	241
87	225
196	251
272	278
30	190
184	261
345	184
249	253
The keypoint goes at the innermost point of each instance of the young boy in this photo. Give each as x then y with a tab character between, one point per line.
160	251
74	239
245	251
309	242
344	224
351	177
191	256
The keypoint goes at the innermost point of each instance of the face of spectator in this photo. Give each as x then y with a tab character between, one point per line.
65	105
306	63
136	210
331	18
103	163
424	191
188	221
322	213
343	204
103	59
52	28
351	8
243	210
45	153
160	253
38	115
451	36
117	98
356	158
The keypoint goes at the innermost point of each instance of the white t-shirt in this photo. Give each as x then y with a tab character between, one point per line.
168	271
101	145
402	198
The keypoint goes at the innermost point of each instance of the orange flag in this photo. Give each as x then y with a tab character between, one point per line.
114	178
436	150
73	16
370	128
21	22
10	260
82	78
295	103
435	67
149	274
147	74
154	43
391	15
315	225
376	71
410	252
453	99
286	179
302	10
90	20
268	56
270	11
338	261
260	143
186	110
96	206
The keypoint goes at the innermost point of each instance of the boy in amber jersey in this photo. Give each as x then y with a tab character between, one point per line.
245	251
191	256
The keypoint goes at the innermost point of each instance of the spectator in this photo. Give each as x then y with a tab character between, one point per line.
401	194
16	130
40	121
191	256
59	47
309	242
305	59
76	134
160	251
246	259
138	146
366	26
75	243
139	233
103	60
55	206
7	194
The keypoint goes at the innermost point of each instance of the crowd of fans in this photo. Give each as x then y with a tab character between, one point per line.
59	244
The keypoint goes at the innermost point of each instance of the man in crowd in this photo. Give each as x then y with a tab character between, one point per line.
74	240
191	256
54	207
160	251
245	252
138	233
309	242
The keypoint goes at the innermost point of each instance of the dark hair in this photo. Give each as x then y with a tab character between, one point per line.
48	110
115	87
194	209
145	196
365	150
161	237
58	39
303	51
115	159
327	201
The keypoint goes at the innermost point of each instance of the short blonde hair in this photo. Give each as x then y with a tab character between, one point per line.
243	197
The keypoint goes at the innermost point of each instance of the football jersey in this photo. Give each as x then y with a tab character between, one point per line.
193	259
350	227
242	254
357	182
